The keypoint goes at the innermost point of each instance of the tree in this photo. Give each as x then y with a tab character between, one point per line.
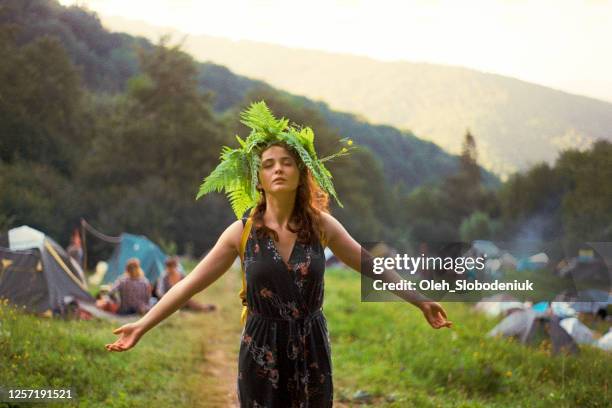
468	160
158	143
587	206
40	103
533	196
477	226
425	213
463	192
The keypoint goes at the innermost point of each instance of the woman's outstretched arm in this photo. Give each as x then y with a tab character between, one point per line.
214	264
350	252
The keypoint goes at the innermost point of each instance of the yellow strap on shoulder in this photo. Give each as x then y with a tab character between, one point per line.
243	241
324	242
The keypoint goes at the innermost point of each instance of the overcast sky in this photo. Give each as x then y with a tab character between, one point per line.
561	43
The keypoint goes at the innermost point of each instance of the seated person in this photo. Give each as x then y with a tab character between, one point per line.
104	301
171	277
133	289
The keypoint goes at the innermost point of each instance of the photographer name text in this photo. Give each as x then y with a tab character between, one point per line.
458	285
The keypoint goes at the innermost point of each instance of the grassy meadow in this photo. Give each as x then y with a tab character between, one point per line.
389	351
384	355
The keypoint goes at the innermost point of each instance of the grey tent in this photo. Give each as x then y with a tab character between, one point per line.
592	301
531	328
37	273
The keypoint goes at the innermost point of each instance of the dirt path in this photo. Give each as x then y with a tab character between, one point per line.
220	344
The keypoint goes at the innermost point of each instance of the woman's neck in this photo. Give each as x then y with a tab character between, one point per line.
279	210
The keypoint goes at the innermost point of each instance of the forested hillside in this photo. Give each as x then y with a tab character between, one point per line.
517	123
121	132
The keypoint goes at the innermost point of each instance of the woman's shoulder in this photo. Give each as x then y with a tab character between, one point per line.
330	226
232	234
328	221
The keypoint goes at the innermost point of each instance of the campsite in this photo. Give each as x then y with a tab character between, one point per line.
497	348
129	151
477	372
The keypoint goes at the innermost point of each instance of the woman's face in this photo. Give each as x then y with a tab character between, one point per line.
279	171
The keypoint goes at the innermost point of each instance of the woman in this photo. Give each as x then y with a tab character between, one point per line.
284	358
133	288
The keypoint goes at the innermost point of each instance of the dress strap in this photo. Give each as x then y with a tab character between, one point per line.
246	223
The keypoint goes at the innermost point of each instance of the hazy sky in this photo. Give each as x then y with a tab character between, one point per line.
560	43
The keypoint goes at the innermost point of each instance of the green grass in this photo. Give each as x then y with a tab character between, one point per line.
389	350
42	353
385	349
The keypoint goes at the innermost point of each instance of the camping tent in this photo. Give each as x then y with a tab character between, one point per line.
532	263
136	246
592	301
499	304
37	273
579	332
605	342
530	328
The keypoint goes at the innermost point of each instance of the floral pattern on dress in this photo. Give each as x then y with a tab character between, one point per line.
264	357
287	310
300	269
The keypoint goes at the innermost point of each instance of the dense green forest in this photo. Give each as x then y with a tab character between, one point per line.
121	132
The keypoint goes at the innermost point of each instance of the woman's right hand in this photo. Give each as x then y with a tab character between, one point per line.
130	334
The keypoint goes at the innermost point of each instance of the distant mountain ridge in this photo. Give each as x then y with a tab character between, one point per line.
515	123
108	60
407	160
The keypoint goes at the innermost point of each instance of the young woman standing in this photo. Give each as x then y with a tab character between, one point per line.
285	358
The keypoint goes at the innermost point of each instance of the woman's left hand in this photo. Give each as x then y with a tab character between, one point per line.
435	315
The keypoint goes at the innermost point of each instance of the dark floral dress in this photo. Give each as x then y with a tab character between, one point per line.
285	357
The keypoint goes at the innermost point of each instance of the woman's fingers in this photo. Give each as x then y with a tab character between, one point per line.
437	318
443	321
119	345
115	347
128	337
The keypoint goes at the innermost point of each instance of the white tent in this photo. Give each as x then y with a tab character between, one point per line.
25	237
500	304
606	341
579	332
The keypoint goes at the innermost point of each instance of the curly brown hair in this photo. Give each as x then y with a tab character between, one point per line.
310	201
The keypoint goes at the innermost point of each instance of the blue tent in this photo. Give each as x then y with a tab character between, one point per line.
136	246
541	307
